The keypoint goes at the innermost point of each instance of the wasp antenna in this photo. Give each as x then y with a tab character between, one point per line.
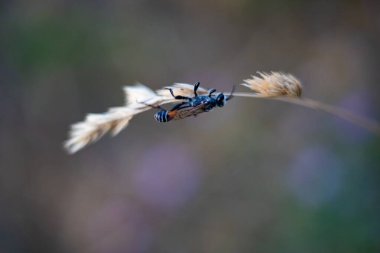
232	92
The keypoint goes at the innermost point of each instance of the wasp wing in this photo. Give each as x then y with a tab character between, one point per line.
186	110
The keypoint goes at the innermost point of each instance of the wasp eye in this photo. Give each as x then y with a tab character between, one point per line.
220	100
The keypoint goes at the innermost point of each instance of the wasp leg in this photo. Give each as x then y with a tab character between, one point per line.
177	106
177	97
196	86
154	106
211	91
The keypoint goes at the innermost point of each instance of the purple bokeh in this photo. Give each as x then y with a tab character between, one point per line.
359	103
316	177
167	176
118	226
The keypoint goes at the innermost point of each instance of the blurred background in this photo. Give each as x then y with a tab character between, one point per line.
255	176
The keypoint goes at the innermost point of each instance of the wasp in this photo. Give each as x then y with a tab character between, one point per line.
191	106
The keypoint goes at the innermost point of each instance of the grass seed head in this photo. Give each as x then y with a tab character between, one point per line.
274	84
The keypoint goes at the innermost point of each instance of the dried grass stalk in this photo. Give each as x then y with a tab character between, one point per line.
274	85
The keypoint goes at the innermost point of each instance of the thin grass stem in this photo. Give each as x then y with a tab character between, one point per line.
369	124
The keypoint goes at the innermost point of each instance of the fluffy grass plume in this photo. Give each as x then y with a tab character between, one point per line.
274	84
95	126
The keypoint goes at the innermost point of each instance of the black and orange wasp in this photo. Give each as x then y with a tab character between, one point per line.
191	106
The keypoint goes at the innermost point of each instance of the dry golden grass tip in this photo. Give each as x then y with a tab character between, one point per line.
138	99
274	84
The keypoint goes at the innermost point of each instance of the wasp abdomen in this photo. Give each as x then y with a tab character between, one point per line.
162	116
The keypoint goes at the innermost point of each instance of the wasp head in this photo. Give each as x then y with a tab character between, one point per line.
220	100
